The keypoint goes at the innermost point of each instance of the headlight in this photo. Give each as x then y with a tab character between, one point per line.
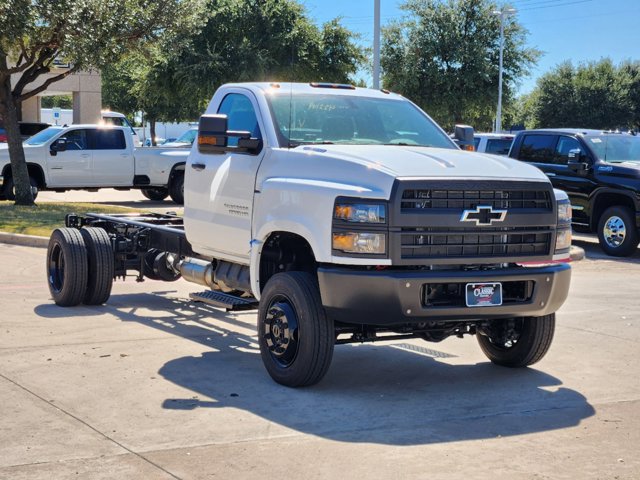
563	239
356	242
564	207
360	213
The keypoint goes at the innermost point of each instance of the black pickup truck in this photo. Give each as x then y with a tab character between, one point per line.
600	171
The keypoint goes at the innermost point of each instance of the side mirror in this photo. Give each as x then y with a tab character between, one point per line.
578	161
60	145
212	134
463	136
213	137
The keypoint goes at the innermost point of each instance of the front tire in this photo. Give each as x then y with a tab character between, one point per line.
296	337
518	342
156	194
10	191
176	187
67	267
617	232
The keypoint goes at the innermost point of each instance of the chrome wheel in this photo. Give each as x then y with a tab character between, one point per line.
614	231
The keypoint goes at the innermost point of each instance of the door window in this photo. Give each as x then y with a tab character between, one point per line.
241	116
499	146
565	145
76	140
108	139
538	148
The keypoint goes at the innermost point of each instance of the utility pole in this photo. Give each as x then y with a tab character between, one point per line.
376	44
503	13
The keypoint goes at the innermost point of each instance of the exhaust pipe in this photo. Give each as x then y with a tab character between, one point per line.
197	271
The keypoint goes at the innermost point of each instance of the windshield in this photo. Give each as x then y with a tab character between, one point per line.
187	137
44	136
615	147
324	119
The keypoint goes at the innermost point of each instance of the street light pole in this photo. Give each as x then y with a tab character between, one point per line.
376	44
503	13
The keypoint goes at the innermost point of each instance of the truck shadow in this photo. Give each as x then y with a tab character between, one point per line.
392	393
593	251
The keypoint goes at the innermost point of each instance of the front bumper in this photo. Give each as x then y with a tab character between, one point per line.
391	297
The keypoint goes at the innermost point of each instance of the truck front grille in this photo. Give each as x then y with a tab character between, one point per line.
428	224
414	198
417	243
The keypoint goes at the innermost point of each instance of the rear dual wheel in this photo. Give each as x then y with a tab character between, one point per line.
80	266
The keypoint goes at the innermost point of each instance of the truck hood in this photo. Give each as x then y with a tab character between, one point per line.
407	161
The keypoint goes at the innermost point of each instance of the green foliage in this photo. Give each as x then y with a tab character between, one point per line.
270	40
59	101
444	56
591	95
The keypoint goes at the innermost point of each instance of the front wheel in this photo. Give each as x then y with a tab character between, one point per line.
617	231
296	338
517	342
10	189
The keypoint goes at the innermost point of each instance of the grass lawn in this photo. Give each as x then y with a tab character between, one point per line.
45	217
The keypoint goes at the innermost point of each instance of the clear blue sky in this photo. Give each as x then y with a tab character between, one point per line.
576	30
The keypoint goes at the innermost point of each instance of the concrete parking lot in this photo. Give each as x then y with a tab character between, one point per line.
154	386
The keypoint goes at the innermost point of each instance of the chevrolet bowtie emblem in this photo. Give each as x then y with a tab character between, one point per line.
483	215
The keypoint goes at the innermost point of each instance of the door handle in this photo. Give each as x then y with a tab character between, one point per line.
198	166
549	174
85	155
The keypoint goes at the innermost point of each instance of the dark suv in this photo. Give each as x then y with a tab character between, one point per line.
600	171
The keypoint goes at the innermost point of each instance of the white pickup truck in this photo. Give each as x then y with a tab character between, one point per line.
97	156
343	215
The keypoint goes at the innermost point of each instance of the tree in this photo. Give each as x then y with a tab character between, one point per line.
591	95
253	40
85	34
444	56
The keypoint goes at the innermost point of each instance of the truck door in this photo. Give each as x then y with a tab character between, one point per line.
220	188
71	168
112	158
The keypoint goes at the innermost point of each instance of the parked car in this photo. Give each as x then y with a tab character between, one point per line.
601	173
184	140
27	129
496	143
89	157
147	142
120	120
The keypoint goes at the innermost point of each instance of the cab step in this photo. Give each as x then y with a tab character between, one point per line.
224	300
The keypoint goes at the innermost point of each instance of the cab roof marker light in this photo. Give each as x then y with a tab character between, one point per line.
342	86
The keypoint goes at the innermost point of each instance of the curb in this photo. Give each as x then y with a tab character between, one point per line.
24	240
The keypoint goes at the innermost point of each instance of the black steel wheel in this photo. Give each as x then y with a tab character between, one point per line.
156	194
100	265
67	267
176	187
518	342
296	337
617	232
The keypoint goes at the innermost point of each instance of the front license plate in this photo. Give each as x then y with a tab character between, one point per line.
484	294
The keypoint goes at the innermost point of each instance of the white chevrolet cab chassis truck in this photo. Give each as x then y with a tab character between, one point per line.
343	215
